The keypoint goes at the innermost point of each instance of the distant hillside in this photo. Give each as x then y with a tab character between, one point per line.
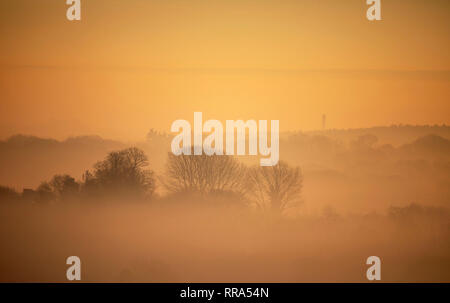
431	145
396	134
28	160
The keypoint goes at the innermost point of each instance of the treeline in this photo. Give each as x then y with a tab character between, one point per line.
125	175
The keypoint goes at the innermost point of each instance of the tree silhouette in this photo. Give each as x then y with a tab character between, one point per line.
276	187
64	186
122	172
204	174
45	193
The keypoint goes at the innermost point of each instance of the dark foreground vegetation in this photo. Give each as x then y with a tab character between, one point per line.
124	176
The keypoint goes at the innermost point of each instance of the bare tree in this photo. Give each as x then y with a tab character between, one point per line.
276	187
204	174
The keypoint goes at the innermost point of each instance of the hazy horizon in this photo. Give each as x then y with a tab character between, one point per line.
161	61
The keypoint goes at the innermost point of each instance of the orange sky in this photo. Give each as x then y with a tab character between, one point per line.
130	65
